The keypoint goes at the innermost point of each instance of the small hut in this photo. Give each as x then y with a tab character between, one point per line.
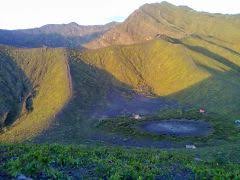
202	111
191	147
137	117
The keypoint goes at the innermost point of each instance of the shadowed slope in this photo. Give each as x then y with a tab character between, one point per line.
195	70
219	94
96	94
191	71
16	91
90	87
172	70
47	72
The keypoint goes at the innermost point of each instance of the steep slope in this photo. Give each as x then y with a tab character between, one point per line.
54	35
38	80
220	92
16	90
200	71
197	71
180	55
175	21
156	67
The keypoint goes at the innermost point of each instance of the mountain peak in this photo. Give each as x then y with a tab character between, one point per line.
73	24
165	3
167	19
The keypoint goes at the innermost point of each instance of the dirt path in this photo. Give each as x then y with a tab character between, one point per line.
69	80
70	86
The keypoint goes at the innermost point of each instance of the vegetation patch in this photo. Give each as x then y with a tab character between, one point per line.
68	162
130	127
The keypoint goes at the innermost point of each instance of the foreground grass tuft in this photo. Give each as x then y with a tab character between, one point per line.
67	162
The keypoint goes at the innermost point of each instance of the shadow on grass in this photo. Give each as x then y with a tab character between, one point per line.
215	44
219	93
214	56
90	88
205	52
16	91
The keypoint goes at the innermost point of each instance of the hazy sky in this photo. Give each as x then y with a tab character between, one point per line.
16	14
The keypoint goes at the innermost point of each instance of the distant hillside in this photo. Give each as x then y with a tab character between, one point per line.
175	21
34	86
54	35
71	29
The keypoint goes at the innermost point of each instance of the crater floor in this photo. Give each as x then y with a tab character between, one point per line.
177	127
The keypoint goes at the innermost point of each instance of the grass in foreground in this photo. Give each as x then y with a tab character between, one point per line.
67	162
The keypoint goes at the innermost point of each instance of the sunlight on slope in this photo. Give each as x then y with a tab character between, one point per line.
164	18
159	66
47	69
197	71
220	92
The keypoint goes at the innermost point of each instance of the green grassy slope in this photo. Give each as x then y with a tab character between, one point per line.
220	91
15	90
47	72
157	66
197	70
90	88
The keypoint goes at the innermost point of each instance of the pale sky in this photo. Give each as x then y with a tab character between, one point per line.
19	14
